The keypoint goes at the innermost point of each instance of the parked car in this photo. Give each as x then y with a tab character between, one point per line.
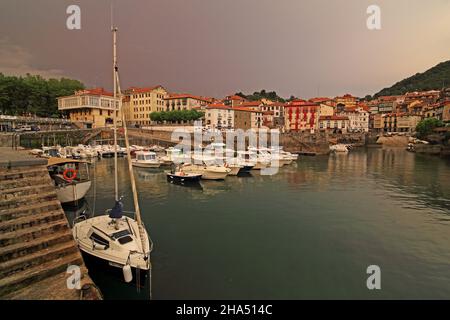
23	128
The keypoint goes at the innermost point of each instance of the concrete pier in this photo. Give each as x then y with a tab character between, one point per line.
36	243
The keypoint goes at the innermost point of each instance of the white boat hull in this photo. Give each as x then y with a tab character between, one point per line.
234	170
259	165
146	164
208	173
72	192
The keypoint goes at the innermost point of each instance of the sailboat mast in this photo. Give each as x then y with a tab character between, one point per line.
116	183
127	143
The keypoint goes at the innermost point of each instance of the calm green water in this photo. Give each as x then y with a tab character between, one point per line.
308	232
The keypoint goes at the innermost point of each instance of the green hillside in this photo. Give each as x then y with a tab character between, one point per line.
434	78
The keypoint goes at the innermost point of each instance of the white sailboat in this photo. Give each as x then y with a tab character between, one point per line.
114	239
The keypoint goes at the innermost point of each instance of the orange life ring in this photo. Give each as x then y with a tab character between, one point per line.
72	176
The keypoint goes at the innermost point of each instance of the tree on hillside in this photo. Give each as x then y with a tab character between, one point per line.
263	94
433	79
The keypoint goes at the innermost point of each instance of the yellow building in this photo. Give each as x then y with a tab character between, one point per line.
184	101
346	101
140	102
400	122
92	108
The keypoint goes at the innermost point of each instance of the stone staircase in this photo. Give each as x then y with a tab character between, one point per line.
36	243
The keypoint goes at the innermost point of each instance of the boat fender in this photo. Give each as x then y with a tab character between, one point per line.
127	274
99	246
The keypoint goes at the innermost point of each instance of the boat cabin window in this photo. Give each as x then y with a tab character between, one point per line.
100	240
123	236
146	157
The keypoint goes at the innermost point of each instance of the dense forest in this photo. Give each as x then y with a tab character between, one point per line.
434	78
33	94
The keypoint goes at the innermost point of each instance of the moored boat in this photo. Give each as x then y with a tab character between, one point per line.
71	178
183	177
145	159
207	172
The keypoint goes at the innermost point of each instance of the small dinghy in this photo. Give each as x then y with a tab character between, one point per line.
183	177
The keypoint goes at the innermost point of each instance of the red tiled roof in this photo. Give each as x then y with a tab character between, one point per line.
354	108
388	98
235	97
319	99
251	104
301	103
186	95
333	118
142	90
244	109
218	106
276	104
95	91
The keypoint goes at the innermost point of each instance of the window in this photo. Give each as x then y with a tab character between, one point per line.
99	239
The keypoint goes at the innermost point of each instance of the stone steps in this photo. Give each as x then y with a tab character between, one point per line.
36	242
22	263
54	288
38	273
24	200
27	222
30	209
28	234
20	249
31	172
13	193
29	181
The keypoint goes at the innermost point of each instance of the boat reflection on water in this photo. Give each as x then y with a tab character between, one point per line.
148	174
192	185
76	209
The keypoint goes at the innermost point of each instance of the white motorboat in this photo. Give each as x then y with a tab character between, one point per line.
51	152
71	178
259	161
213	172
174	155
113	238
216	153
285	154
274	158
341	148
146	159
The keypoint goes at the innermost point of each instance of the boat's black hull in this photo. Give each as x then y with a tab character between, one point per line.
245	169
183	179
96	265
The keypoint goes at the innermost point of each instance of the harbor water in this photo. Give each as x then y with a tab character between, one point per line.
308	232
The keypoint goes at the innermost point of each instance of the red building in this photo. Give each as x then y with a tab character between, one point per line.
301	115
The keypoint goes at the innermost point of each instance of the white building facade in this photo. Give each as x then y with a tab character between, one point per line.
358	120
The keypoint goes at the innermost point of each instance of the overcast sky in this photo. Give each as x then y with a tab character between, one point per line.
217	47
